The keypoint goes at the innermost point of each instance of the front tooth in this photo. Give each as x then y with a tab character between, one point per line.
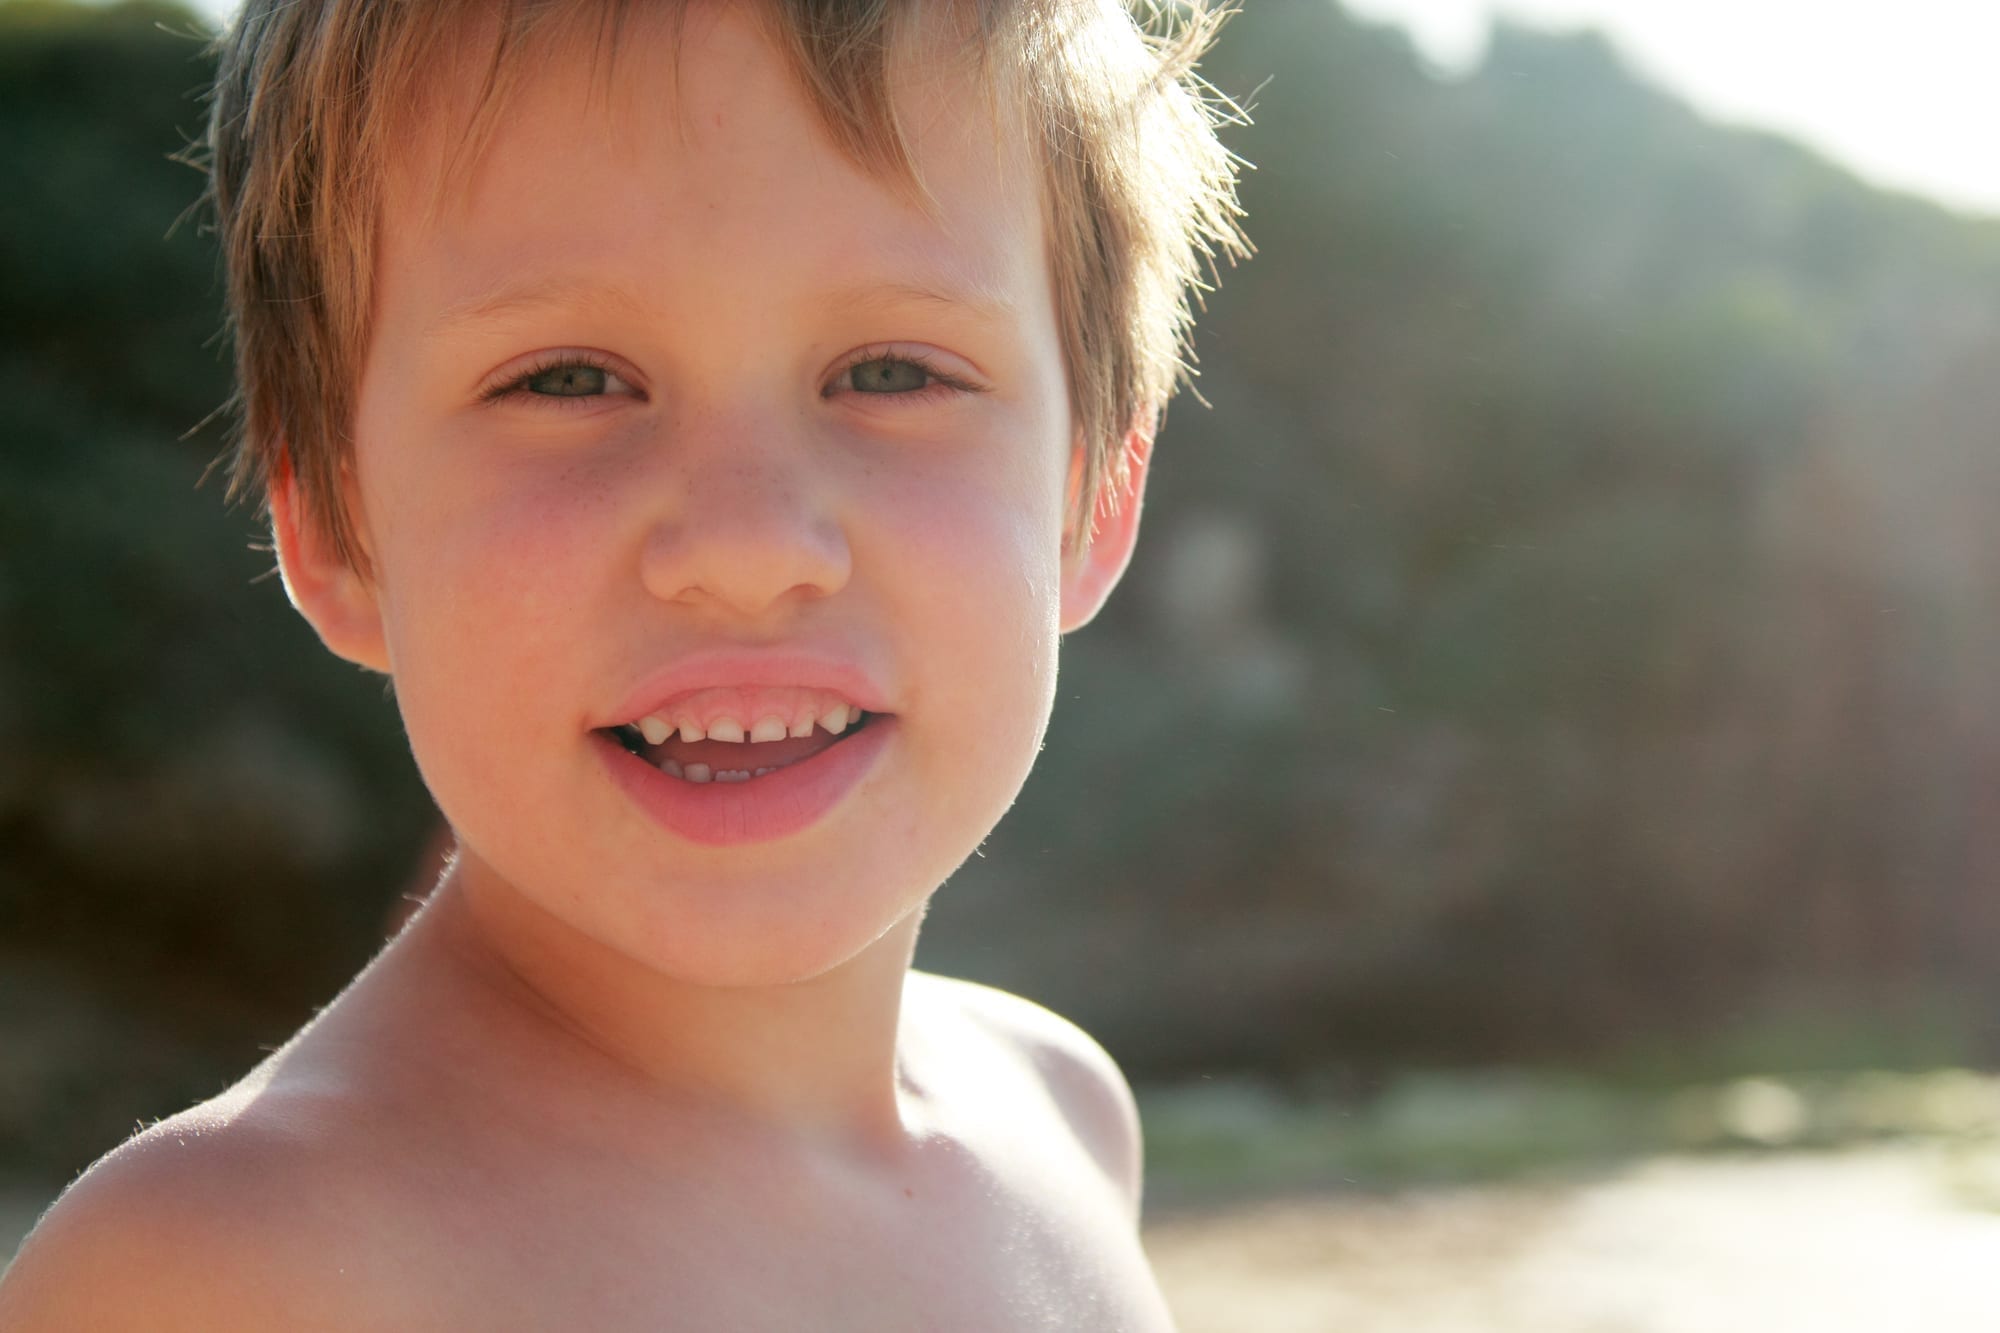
695	772
655	731
770	729
731	775
835	719
690	730
726	729
671	768
804	726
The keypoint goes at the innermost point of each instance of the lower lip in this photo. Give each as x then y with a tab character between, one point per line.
730	814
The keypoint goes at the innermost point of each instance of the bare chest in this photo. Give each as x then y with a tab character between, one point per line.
758	1256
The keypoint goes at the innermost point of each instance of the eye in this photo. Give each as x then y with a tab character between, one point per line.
564	377
887	374
898	374
567	381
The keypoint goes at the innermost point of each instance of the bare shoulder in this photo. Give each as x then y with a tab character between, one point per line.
212	1220
1079	1075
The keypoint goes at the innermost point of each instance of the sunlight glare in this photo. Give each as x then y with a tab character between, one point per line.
1905	95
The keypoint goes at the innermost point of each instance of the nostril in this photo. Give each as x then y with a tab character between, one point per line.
745	555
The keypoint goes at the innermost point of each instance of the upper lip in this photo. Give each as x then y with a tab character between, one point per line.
699	671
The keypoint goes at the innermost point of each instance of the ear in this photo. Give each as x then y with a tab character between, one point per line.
1091	572
335	598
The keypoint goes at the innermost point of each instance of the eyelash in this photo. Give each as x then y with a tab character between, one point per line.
516	386
942	381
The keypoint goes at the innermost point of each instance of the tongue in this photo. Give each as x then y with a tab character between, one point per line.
747	756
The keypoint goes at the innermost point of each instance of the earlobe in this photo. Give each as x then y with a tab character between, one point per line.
335	598
1091	573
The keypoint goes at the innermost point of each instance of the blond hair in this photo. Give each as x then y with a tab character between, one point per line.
1139	195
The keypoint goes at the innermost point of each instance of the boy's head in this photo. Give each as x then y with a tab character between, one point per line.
654	392
317	103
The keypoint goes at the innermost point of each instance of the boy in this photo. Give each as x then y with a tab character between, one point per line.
708	416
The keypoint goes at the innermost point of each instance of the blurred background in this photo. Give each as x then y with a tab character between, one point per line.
1536	800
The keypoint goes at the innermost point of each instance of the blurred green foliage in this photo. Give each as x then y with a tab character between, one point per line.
1226	1136
1608	654
202	816
1570	631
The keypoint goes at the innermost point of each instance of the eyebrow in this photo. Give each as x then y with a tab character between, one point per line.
979	301
984	304
509	299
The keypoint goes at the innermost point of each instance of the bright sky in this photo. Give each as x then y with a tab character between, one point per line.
1905	92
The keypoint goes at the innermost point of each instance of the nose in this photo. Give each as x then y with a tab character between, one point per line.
745	526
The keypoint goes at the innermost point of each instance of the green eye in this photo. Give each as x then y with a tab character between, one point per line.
889	375
570	381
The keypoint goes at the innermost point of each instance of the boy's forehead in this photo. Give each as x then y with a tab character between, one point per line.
642	78
708	90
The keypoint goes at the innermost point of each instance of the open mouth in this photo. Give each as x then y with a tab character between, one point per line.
723	747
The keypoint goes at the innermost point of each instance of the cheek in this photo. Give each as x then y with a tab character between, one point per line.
983	538
488	639
974	561
484	577
484	536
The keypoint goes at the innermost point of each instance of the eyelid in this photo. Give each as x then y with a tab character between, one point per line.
509	383
926	359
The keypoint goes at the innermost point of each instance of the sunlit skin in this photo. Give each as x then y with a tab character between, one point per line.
537	558
670	381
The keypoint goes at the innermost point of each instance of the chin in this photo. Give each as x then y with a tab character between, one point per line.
740	935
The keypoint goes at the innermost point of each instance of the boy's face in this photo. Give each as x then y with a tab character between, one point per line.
672	409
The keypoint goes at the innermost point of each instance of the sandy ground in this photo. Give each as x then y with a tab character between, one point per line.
1879	1240
1876	1240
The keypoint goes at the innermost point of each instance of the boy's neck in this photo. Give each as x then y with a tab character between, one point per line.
816	1060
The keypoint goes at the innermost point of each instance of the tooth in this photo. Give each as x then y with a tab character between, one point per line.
760	772
696	772
804	726
726	729
731	775
835	719
656	731
770	729
671	768
690	731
